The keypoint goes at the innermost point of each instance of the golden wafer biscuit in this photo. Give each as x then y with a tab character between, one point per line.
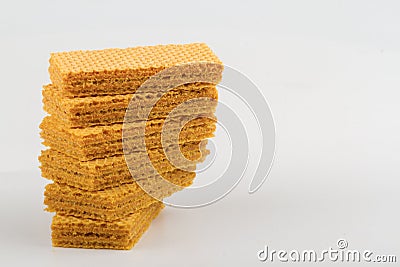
109	133
103	110
83	105
193	151
113	203
70	231
105	141
122	71
108	172
103	181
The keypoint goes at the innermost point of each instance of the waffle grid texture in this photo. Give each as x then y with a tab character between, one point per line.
70	231
193	150
80	73
82	137
112	203
107	145
102	110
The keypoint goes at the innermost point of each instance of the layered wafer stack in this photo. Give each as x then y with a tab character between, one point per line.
106	186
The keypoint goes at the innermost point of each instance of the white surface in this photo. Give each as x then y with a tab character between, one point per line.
330	70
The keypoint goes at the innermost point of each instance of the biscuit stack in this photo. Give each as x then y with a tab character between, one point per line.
97	190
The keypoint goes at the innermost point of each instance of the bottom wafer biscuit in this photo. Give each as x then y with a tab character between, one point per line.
69	231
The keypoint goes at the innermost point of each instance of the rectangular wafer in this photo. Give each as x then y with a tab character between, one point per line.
104	141
103	110
70	231
116	202
113	171
122	71
110	133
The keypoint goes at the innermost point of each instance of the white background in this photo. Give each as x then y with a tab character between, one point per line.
331	73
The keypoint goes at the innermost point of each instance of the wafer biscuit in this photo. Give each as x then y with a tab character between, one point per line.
116	148
108	172
121	71
92	143
91	111
193	151
116	202
83	105
108	133
105	181
70	231
118	116
67	200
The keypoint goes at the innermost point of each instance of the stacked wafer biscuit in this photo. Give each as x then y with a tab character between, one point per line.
106	193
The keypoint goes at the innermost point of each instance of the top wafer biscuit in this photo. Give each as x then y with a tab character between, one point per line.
121	71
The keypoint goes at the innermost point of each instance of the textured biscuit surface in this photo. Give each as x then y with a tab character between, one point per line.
82	105
109	133
70	231
109	172
121	71
136	58
113	203
103	110
105	141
